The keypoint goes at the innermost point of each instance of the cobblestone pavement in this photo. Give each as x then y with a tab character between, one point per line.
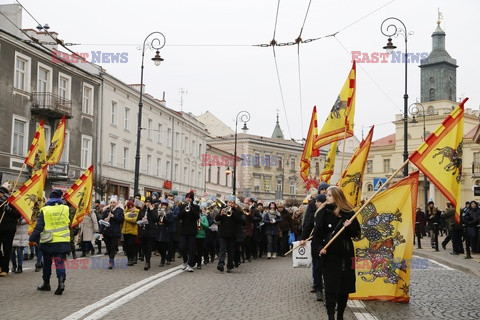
262	289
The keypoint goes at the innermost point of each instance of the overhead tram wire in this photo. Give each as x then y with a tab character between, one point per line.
298	41
273	43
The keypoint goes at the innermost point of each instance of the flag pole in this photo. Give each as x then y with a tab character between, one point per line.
14	186
368	201
343	149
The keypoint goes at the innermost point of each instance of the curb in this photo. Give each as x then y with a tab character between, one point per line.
450	263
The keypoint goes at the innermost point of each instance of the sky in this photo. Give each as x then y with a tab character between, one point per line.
210	53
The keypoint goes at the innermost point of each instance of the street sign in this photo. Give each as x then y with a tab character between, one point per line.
378	183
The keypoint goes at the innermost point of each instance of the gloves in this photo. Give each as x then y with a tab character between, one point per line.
32	244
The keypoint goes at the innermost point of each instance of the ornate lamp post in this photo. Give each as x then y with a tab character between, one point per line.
157	43
244	117
394	27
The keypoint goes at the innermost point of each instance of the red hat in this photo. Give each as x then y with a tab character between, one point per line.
190	195
129	204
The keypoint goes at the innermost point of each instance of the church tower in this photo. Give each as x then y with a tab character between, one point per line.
438	72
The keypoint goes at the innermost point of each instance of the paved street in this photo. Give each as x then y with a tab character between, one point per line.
262	289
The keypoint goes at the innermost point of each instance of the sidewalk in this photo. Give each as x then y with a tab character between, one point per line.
470	266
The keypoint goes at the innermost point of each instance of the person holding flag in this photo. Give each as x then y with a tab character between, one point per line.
53	234
8	227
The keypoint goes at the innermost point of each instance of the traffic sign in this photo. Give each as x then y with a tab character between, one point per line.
378	183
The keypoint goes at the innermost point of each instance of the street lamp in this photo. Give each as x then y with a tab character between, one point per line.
414	111
388	25
245	117
157	43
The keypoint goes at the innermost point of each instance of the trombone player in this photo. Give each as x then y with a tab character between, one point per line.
229	220
188	216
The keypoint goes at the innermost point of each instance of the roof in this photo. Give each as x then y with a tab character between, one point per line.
470	134
385	141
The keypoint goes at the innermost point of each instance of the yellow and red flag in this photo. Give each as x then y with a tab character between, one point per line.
55	150
439	157
309	151
383	258
328	168
29	198
37	153
339	123
80	196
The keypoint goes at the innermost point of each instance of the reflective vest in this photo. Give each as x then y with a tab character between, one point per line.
57	222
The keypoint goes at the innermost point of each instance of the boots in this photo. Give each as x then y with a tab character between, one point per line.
45	286
147	266
92	252
61	286
74	255
83	254
19	269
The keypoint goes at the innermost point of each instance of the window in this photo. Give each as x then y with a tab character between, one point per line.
177	141
267	185
86	155
192	178
169	138
126	120
19	143
386	165
167	170
218	175
430	110
432	94
267	161
113	153
87	104
66	147
200	150
48	134
369	187
199	182
210	173
149	129
279	185
317	168
113	114
64	84
194	151
256	184
369	166
292	164
126	156
185	175
159	167
256	159
175	172
185	146
44	82
226	179
280	164
292	187
148	165
159	133
21	79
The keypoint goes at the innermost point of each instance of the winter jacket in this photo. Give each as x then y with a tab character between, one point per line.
227	226
21	235
89	225
174	211
130	225
116	222
10	215
201	233
286	223
188	220
148	230
163	228
272	228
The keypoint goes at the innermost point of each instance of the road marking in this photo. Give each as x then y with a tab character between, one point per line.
120	302
437	263
360	314
82	312
364	316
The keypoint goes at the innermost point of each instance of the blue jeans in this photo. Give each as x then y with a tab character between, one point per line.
59	260
17	256
272	243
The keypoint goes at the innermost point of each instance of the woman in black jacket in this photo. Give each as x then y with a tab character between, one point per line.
147	229
337	258
111	228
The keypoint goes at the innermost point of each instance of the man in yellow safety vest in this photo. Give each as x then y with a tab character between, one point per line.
52	232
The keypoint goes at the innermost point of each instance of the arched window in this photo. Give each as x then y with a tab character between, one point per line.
430	110
369	187
432	94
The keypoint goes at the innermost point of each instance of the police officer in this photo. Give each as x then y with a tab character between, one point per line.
52	232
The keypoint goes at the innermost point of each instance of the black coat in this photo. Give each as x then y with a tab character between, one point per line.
148	230
188	220
308	221
337	262
116	222
228	226
10	216
163	228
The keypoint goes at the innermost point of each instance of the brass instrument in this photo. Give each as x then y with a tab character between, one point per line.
199	226
161	215
246	211
218	203
229	211
187	207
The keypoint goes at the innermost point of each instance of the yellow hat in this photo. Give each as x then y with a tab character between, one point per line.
142	198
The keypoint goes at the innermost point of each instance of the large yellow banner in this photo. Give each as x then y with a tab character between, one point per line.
383	254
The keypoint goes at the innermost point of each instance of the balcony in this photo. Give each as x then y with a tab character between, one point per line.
51	105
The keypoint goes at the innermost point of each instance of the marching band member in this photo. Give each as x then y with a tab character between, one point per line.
240	240
272	218
147	220
111	228
165	219
202	226
130	231
188	216
228	220
172	243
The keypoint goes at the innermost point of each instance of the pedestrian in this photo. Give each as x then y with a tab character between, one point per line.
147	220
165	219
112	221
130	232
98	210
20	243
202	226
433	220
272	218
188	216
172	228
454	230
337	258
471	219
228	220
89	226
285	228
8	226
52	233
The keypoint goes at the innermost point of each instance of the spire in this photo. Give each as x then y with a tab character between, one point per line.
277	132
